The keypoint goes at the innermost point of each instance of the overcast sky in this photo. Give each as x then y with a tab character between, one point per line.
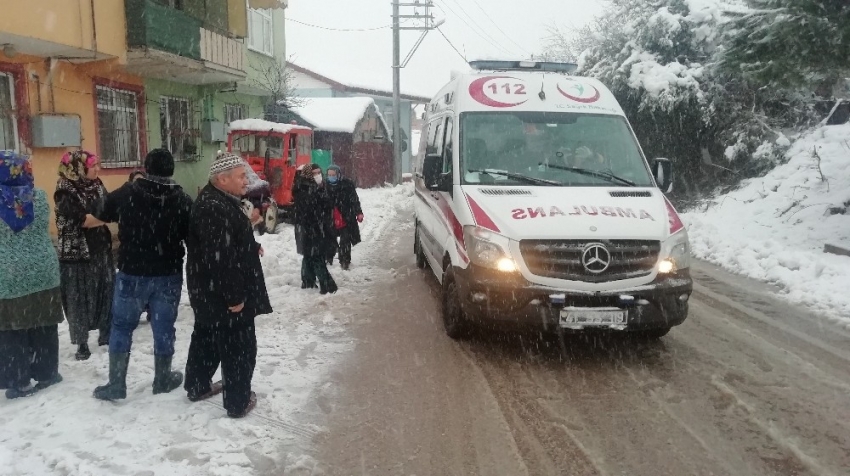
512	29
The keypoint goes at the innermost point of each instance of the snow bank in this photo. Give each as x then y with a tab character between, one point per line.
259	125
337	114
65	431
774	228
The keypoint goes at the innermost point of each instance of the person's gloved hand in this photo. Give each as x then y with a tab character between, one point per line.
360	218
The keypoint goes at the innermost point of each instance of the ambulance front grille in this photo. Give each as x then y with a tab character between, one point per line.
562	259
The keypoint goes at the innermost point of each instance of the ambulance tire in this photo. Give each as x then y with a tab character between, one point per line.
454	321
653	334
421	261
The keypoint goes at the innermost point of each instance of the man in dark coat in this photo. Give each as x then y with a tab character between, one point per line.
313	215
227	290
347	215
153	220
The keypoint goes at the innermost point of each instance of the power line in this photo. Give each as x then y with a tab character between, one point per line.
498	27
452	45
475	29
338	29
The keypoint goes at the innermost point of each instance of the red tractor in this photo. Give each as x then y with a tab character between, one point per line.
274	151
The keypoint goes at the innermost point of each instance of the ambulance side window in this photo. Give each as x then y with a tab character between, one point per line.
448	151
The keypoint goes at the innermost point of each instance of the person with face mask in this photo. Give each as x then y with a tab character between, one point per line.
347	215
314	216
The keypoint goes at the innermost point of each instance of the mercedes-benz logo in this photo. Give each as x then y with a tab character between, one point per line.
596	258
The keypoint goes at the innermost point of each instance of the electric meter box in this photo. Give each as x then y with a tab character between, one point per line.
56	131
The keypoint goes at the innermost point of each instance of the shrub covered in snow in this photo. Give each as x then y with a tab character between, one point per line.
663	58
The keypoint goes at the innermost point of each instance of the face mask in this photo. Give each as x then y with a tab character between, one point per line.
317	178
332	178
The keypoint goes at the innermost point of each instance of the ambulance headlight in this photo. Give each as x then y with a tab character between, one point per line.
484	249
678	256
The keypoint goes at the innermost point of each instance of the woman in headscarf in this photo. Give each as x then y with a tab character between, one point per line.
85	251
313	214
30	300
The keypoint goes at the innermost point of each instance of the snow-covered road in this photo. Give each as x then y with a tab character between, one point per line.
64	431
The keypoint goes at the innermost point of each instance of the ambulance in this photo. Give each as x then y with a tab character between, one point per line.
536	205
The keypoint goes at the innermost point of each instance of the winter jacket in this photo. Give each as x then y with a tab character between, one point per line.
76	243
29	273
223	268
153	222
343	195
314	215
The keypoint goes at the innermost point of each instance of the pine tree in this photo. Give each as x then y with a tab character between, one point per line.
791	43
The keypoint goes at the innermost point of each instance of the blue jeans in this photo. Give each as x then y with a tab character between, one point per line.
132	293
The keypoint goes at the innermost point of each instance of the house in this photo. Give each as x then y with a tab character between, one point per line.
121	77
354	132
309	83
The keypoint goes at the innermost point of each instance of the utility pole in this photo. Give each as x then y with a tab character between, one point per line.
424	22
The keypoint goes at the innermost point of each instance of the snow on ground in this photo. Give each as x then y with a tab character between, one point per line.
65	431
774	228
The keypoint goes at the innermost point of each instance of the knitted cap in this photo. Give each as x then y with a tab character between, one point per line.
225	161
159	162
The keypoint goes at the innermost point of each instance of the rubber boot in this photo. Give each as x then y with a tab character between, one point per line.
116	389
164	379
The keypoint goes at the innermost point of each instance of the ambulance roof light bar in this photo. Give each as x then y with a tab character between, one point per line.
499	65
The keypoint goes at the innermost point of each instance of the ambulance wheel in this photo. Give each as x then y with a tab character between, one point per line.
270	219
417	250
454	321
653	334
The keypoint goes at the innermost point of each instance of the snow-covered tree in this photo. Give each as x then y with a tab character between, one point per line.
660	58
782	43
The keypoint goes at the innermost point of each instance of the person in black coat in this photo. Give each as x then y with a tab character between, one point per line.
347	216
313	215
153	220
227	290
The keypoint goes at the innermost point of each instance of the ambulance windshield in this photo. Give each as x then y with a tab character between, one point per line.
546	145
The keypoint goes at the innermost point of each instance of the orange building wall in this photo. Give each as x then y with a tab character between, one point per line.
72	92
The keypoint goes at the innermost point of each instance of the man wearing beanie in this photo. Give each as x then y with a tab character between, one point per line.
227	290
153	214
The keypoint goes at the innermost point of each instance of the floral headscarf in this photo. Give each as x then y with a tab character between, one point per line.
74	167
16	190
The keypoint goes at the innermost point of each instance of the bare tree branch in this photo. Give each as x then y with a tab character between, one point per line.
276	79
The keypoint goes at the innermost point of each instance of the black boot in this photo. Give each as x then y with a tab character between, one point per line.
83	352
164	379
116	389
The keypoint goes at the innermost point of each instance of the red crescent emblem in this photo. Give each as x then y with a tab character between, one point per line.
589	100
476	90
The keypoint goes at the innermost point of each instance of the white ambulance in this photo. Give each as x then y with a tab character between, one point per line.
535	204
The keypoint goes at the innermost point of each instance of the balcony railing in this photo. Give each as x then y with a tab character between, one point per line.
168	43
221	50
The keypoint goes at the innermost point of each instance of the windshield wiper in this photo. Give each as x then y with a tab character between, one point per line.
593	173
520	177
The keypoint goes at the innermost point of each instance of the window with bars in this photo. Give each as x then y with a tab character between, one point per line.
177	121
260	37
234	112
118	127
8	118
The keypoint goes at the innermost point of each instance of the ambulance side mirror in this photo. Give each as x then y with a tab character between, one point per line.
662	170
431	168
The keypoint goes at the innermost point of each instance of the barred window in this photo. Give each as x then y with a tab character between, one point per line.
8	118
118	127
234	112
176	120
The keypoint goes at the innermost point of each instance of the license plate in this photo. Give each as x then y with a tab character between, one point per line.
592	317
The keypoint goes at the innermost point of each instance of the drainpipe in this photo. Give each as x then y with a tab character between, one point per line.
93	30
51	65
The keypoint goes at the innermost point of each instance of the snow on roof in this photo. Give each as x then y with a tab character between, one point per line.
259	125
358	79
336	114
